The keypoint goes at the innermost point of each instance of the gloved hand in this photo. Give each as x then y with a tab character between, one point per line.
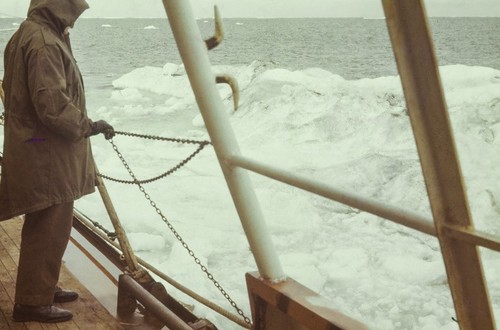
102	126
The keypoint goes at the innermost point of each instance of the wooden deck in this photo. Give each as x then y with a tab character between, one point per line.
88	313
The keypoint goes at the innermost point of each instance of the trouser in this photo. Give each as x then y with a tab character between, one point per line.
44	238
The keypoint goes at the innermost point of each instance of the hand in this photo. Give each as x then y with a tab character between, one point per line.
103	127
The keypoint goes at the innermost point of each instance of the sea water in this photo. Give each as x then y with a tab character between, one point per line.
319	97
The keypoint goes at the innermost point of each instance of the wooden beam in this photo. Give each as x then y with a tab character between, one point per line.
88	313
289	305
2	94
473	237
417	65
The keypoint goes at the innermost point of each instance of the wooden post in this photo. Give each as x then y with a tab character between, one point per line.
2	95
128	253
417	67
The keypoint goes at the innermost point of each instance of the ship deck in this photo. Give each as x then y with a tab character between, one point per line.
88	312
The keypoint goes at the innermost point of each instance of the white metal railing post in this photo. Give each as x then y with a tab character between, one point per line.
194	54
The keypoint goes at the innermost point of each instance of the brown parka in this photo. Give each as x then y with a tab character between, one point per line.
47	158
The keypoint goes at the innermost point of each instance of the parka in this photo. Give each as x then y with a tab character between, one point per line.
47	157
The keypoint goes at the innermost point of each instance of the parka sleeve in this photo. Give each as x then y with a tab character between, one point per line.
50	94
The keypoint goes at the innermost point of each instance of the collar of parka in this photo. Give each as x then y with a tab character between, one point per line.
59	14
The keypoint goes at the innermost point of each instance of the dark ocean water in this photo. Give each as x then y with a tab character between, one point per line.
353	48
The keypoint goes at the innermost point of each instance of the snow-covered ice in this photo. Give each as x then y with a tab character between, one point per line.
354	134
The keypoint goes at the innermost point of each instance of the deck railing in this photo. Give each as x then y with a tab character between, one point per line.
451	223
428	112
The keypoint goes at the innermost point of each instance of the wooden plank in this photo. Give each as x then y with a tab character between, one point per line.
289	305
86	310
417	65
473	237
7	283
10	242
5	299
12	229
7	280
88	313
48	326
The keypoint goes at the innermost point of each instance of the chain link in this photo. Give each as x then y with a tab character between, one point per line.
178	236
112	235
160	138
202	144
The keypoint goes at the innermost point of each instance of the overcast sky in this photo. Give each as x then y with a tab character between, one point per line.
268	8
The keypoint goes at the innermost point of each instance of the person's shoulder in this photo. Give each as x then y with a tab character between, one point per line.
37	35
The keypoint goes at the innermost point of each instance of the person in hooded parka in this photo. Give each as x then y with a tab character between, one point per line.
47	160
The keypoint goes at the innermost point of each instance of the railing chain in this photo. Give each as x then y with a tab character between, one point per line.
177	235
202	144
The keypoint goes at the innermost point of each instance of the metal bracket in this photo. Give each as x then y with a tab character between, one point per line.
233	83
130	293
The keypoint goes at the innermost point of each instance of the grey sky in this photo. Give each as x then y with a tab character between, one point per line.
267	8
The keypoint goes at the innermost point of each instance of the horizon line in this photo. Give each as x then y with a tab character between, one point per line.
7	16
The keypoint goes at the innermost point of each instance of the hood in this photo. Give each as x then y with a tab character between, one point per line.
58	13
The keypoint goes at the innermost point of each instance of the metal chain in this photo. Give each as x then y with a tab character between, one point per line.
179	238
160	138
112	235
161	176
202	144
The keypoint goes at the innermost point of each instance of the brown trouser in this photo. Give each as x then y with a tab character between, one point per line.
44	239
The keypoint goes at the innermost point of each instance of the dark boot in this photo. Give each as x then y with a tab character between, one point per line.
45	314
62	296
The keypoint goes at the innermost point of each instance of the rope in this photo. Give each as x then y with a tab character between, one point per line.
218	309
202	144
